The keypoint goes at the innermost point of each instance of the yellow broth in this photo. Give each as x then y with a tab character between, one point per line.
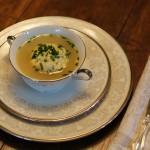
26	56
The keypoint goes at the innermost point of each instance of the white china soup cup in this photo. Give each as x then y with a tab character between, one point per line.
50	85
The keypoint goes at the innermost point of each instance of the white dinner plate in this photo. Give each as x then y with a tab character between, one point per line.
91	121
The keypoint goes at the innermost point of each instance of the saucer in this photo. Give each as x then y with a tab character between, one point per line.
73	100
104	113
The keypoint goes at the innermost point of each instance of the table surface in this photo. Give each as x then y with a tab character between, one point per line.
126	20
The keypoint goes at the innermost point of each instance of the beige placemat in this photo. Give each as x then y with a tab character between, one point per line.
132	121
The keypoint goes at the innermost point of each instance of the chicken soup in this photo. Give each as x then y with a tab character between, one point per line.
47	57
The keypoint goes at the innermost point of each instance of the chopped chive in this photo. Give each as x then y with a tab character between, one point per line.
76	64
60	46
63	37
45	60
65	74
52	58
34	56
41	65
36	69
60	69
70	43
68	53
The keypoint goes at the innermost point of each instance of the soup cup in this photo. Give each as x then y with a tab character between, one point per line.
49	85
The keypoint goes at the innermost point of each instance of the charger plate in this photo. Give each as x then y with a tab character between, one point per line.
91	121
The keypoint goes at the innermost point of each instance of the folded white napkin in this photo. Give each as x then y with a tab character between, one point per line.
132	121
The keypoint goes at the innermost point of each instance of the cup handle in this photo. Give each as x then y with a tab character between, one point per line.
10	40
88	73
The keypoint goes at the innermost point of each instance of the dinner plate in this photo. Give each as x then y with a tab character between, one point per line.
74	99
91	121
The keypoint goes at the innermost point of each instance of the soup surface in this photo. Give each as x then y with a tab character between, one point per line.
47	57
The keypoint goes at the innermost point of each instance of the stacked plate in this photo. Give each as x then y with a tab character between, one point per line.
81	107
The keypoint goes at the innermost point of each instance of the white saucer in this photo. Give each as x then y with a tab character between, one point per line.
73	100
90	122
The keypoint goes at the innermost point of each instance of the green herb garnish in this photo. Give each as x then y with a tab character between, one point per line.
45	60
76	64
52	58
64	37
49	49
60	46
68	53
41	66
70	43
65	74
36	69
